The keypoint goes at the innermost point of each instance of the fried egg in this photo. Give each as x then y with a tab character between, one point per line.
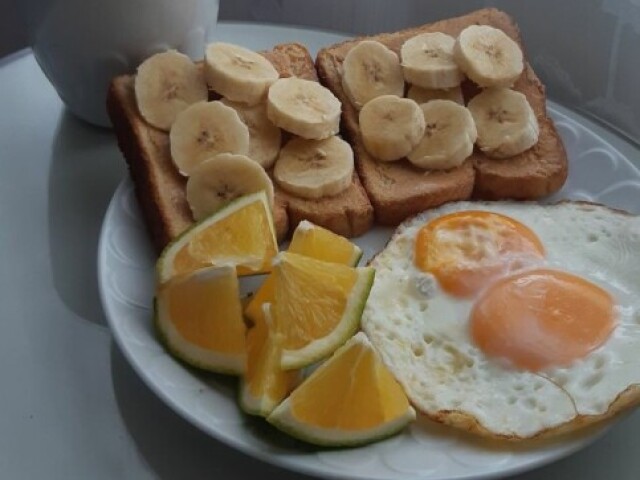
511	320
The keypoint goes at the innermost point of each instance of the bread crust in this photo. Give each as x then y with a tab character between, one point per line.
398	190
160	189
158	185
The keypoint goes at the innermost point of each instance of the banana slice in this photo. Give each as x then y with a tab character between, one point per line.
223	178
488	56
204	130
370	70
314	168
427	61
506	122
448	138
264	137
238	73
304	108
166	84
423	95
391	127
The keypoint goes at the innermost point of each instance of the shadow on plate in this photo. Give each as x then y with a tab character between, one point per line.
86	166
172	447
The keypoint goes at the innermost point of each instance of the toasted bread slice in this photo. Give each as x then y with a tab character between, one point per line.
160	189
398	190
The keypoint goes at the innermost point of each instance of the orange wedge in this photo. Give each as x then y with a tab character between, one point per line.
352	399
312	241
265	384
199	319
322	244
317	306
240	234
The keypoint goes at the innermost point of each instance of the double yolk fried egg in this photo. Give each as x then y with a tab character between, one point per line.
511	320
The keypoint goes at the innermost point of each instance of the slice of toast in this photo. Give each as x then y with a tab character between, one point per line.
160	189
398	190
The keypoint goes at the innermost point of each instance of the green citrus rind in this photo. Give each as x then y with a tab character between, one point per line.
348	325
283	419
280	419
163	270
193	356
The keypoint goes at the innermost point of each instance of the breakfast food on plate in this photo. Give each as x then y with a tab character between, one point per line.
314	168
349	400
391	127
371	70
264	137
488	56
313	329
310	310
203	130
424	95
511	320
505	121
265	385
223	178
449	139
304	108
240	234
199	319
165	85
518	152
161	188
315	242
479	45
508	320
427	61
322	244
238	74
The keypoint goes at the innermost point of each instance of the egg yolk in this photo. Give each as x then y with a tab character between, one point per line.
467	250
542	318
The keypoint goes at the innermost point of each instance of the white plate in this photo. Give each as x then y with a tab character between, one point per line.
598	172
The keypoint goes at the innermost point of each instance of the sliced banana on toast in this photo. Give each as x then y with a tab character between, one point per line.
223	178
166	84
488	56
237	73
423	95
506	123
304	108
314	168
203	130
391	127
264	137
370	70
449	136
427	61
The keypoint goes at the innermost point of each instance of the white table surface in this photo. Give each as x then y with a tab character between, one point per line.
70	405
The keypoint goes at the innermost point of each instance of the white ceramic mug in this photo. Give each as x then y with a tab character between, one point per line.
81	44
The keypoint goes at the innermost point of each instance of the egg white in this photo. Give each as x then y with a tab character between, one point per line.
423	335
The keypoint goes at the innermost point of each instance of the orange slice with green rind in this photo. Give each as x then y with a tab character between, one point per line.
317	306
312	241
265	384
199	319
240	234
351	399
